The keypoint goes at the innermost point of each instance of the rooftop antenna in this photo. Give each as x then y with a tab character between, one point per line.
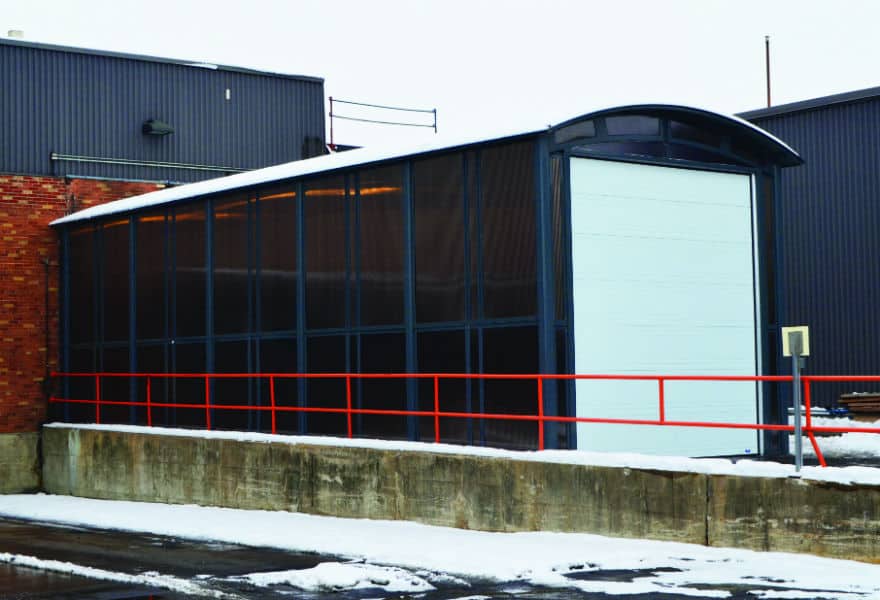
767	63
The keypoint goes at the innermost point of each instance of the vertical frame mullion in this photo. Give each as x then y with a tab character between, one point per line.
409	309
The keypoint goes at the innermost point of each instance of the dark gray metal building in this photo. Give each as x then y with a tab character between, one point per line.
86	113
829	232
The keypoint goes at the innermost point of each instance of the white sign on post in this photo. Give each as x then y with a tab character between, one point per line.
804	330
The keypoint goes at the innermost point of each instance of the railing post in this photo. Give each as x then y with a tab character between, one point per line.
348	403
272	400
436	409
149	402
807	403
540	413
97	399
208	402
660	382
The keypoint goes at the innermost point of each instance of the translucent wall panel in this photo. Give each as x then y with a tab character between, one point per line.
232	357
190	270
511	350
115	279
119	389
279	356
443	352
438	204
189	358
381	241
277	257
150	276
326	252
326	354
151	359
231	265
383	353
81	257
509	235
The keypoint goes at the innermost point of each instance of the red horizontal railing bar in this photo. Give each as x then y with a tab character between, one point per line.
541	418
512	376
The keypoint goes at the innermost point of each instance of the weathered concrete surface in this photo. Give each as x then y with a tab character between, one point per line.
794	515
19	462
441	489
469	492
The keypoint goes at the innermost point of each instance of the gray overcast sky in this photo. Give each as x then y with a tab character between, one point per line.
488	64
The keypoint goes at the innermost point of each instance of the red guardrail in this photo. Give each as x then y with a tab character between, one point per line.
539	418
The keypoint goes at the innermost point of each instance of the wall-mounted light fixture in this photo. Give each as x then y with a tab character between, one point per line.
156	127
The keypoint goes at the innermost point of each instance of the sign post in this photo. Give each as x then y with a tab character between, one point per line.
796	344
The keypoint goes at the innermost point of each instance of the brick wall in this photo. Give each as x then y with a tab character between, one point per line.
27	206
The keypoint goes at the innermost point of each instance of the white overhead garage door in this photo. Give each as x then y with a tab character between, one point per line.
664	283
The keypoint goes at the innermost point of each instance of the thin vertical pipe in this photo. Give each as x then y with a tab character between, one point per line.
272	400
662	392
436	409
348	403
149	402
540	413
208	402
98	399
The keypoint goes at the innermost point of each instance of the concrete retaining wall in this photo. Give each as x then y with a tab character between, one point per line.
19	463
467	491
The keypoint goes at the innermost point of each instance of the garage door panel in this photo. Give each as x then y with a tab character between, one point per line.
663	278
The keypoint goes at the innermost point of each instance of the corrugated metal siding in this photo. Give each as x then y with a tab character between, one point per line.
94	105
830	238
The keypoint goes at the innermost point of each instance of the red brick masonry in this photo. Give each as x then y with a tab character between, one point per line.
27	206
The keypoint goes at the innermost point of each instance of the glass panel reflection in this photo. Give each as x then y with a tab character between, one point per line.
278	256
326	215
190	280
81	258
114	279
231	268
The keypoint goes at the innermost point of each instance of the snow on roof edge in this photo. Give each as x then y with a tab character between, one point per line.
297	168
354	158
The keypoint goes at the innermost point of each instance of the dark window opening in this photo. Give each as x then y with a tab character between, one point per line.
632	125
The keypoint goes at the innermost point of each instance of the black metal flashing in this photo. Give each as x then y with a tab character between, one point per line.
811	104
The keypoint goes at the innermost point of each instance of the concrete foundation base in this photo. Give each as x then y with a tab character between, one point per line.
19	463
466	491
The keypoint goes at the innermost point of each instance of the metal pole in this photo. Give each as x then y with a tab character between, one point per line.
767	65
795	341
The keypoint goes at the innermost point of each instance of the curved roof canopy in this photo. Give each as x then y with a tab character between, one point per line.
659	131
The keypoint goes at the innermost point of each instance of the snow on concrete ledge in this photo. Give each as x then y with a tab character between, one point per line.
710	466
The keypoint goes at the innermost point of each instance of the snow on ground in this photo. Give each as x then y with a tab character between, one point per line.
330	576
539	558
853	445
716	466
150	578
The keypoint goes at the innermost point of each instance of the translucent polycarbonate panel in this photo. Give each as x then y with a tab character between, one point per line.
380	256
383	353
190	270
232	358
632	125
582	129
663	269
326	354
279	356
511	350
327	247
150	276
438	207
81	285
443	352
232	265
277	209
118	389
189	358
115	279
508	230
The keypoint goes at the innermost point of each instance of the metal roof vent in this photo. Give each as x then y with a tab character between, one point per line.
156	127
